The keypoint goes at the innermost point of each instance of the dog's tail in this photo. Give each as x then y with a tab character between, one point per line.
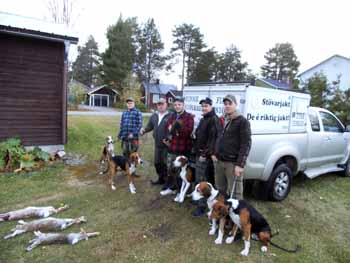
294	250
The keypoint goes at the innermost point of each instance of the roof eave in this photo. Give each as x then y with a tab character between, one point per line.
37	34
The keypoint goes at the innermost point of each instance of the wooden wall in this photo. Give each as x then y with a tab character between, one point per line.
32	98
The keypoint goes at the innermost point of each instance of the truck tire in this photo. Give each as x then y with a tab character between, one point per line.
346	172
279	183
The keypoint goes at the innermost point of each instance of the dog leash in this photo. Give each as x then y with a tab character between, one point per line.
233	185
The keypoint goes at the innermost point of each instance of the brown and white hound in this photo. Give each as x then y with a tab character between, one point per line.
206	190
186	175
115	161
246	218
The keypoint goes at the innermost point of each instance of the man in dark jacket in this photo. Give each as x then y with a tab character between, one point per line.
157	123
179	128
233	149
206	137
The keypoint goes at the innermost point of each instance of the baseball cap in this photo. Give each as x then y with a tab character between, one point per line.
231	98
130	99
181	99
206	101
161	101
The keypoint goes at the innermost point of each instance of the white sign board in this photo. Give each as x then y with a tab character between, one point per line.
192	100
268	112
298	115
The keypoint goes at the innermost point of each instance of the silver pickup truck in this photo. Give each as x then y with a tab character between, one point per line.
288	136
323	148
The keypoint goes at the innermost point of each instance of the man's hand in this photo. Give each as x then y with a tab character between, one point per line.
142	131
238	170
166	142
214	158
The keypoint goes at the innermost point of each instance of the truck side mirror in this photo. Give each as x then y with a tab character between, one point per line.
347	129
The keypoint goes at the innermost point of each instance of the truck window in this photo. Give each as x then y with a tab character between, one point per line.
330	124
315	124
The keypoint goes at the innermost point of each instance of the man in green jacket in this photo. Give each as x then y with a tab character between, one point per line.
233	149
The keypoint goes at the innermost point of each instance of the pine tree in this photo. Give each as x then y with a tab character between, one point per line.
119	56
189	42
318	88
231	68
282	63
204	69
149	60
85	67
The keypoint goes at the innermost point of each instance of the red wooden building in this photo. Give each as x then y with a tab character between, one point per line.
33	80
154	91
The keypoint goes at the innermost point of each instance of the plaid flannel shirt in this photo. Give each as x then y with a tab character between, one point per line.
181	143
131	122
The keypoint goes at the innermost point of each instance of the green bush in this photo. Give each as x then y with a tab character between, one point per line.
13	155
141	106
11	152
76	96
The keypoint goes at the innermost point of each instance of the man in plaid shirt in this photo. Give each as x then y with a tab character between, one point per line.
179	128
130	125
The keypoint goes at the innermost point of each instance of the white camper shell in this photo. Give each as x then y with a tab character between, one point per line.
288	136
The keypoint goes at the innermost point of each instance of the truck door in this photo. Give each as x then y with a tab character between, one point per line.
333	137
316	141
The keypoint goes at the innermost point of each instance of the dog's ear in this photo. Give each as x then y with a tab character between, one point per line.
223	210
133	158
206	192
104	151
183	160
227	203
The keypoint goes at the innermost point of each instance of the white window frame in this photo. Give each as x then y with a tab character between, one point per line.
155	97
92	99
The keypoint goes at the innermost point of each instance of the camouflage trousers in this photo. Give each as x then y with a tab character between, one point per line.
130	146
224	177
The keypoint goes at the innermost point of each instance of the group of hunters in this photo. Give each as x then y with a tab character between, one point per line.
219	146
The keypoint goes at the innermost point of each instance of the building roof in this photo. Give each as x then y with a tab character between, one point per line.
28	26
175	93
278	84
101	87
159	88
323	62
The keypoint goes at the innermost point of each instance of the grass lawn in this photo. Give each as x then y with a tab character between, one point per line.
147	228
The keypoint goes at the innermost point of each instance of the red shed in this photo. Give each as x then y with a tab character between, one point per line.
33	80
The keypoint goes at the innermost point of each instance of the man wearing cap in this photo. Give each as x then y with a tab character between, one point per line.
233	149
157	123
179	128
130	125
206	138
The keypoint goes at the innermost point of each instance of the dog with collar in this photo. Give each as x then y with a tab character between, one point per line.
246	218
114	161
186	175
206	190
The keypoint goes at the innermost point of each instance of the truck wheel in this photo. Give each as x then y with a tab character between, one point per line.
279	183
346	172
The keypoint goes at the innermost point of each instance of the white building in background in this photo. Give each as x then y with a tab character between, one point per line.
333	67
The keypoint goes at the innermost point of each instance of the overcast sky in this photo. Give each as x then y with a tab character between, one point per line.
316	29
